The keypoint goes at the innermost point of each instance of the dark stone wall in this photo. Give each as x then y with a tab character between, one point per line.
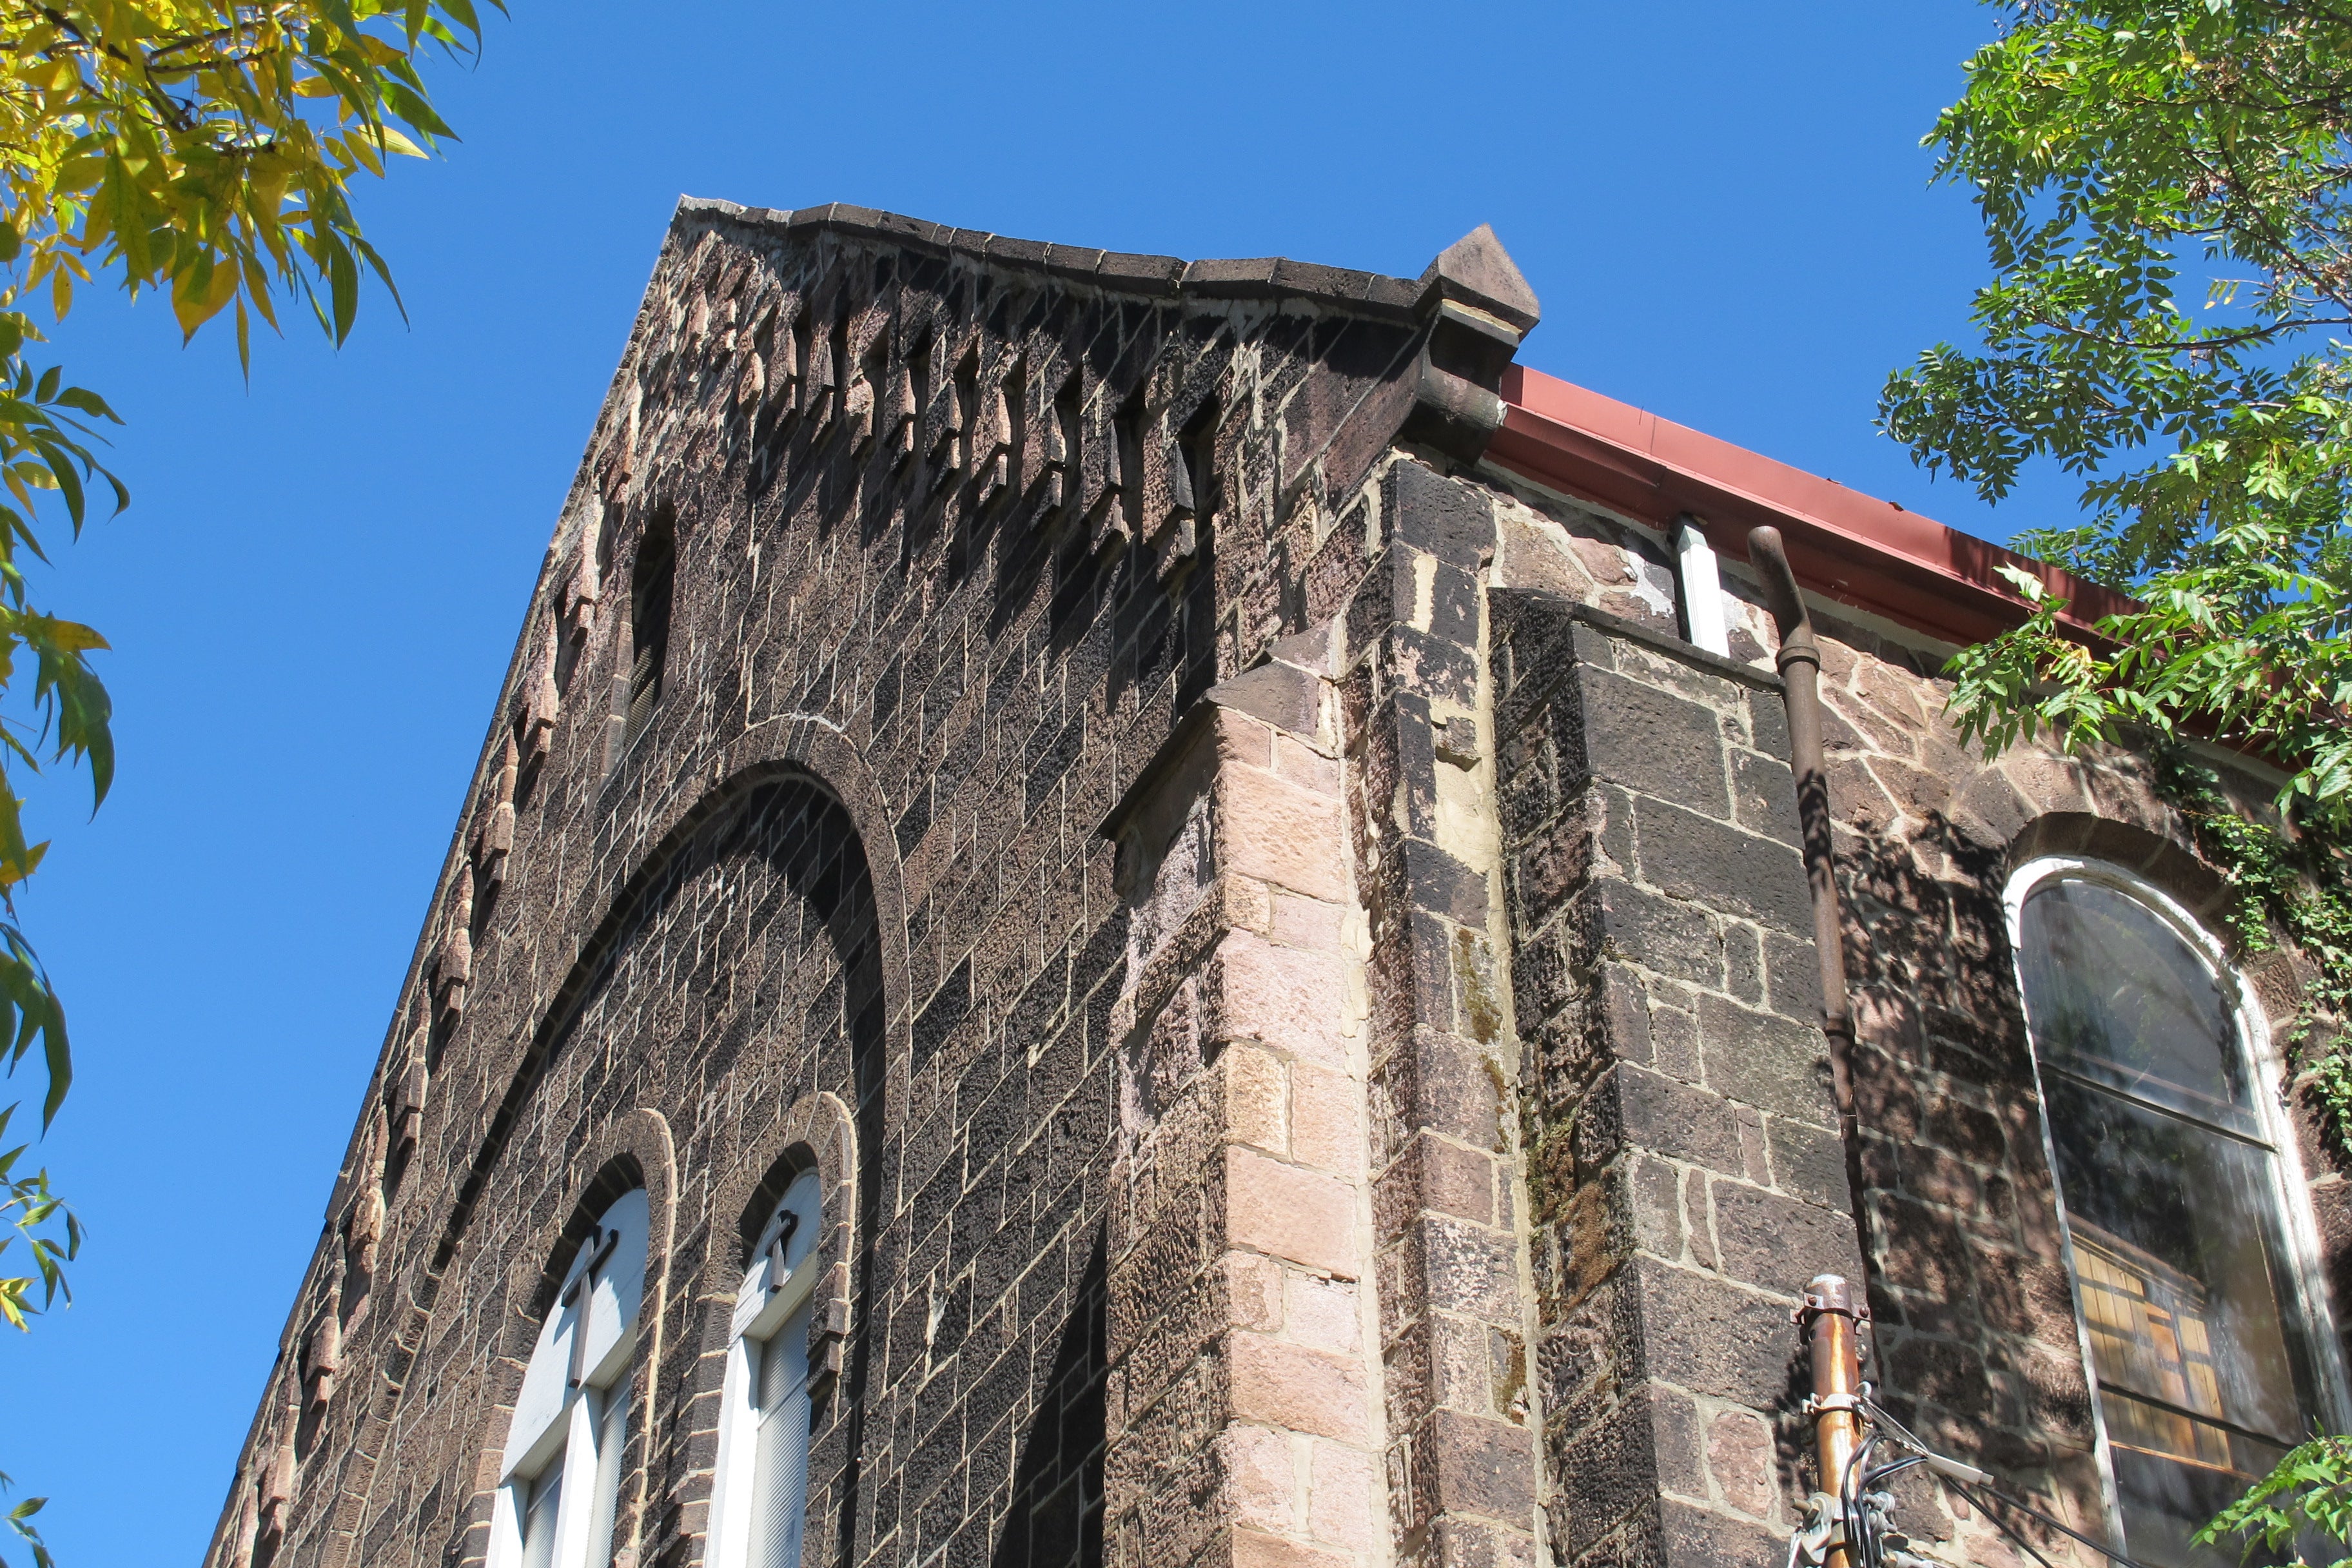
961	531
1683	1156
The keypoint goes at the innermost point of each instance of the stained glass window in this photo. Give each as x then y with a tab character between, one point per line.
2204	1369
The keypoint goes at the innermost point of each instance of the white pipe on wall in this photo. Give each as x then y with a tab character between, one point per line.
1702	588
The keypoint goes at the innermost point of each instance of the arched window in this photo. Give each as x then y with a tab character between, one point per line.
2188	1235
651	585
761	1494
560	1478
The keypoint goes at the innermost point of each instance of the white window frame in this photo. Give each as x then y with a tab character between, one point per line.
760	1313
559	1424
2299	1229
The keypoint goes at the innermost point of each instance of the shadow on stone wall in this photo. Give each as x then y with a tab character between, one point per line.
1056	1519
1978	1347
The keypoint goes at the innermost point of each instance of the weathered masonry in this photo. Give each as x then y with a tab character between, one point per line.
1123	912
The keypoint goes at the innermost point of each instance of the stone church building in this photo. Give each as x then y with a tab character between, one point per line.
1140	912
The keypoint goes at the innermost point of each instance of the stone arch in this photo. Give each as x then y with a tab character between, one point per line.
2164	861
816	747
2272	976
798	752
817	1133
766	799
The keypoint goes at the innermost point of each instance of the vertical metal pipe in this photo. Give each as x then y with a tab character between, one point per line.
1800	662
1829	1315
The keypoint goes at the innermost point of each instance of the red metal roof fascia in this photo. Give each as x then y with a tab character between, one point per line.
1849	546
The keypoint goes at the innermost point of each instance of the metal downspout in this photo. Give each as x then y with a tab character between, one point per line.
1800	661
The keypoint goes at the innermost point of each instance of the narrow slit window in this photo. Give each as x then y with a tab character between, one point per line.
651	587
2204	1360
967	406
1069	425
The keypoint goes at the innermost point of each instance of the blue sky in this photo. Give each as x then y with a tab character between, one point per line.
1723	206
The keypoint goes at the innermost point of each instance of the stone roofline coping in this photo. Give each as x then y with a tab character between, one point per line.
1845	545
1170	276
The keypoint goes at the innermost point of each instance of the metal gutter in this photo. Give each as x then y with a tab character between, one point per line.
1845	545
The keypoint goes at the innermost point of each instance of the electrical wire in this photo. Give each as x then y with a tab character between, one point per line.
2003	1525
1968	1476
1860	1524
1850	1490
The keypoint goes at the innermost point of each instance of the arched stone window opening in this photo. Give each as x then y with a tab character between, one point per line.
923	357
560	1476
1003	430
652	584
760	1502
865	413
2188	1238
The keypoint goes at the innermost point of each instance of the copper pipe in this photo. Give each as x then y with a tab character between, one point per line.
1829	1316
1800	662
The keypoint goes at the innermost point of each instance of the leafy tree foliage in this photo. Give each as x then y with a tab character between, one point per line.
205	150
2167	190
2305	1500
2123	153
2166	187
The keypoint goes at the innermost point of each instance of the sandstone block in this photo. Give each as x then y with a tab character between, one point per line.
1255	1100
1285	997
1291	1385
1254	1549
1326	1119
1290	1213
1261	1482
1341	1498
1280	832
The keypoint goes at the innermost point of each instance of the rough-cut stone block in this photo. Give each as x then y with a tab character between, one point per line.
1483	1466
1714	1338
1739	1458
1277	832
1326	1119
1290	1386
1288	998
1688	856
1769	1240
1321	1312
1256	1105
1696	1538
1310	923
1653	741
1766	1060
1291	1213
1451	519
1342	1498
1261	1480
1254	1549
